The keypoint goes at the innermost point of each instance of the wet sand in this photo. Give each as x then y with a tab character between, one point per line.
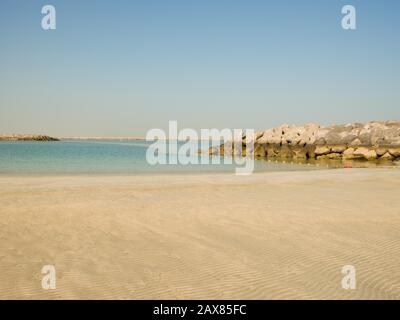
283	235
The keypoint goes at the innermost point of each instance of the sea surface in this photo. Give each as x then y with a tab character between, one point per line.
107	157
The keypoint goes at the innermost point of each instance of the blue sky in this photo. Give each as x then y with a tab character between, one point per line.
120	68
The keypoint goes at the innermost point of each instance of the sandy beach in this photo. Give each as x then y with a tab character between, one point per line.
280	235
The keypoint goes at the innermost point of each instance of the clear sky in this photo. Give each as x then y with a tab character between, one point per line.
119	68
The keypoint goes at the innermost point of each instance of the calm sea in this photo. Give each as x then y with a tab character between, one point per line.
102	157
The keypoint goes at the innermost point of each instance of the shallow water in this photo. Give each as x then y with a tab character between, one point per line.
104	157
122	157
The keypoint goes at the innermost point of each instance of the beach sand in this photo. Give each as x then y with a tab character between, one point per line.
281	235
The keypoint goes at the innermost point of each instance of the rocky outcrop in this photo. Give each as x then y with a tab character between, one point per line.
370	141
27	138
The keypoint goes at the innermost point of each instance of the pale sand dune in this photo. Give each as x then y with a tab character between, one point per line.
266	236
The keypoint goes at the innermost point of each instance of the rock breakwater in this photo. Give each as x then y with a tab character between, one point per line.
377	140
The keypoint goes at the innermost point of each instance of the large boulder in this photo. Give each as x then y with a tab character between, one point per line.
365	153
258	135
322	150
356	142
395	152
387	156
339	148
292	136
320	137
381	151
365	136
392	136
349	153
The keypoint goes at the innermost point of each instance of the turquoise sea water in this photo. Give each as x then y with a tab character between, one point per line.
102	157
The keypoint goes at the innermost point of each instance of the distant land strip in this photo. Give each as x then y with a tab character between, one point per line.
102	138
27	137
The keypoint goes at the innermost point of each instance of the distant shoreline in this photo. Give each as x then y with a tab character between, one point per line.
101	138
49	138
27	137
39	137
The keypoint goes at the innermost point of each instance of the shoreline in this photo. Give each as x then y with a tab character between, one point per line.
193	174
301	167
319	165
